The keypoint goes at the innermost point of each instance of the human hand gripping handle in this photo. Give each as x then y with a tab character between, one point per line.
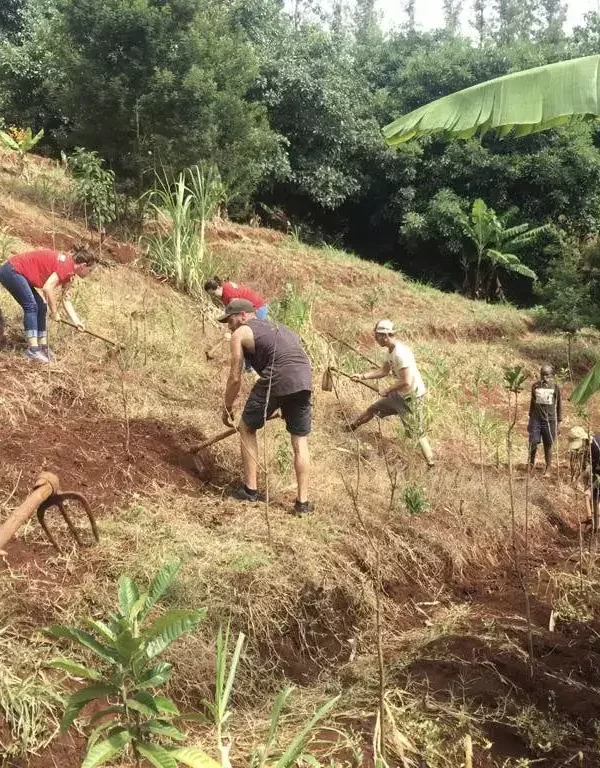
227	417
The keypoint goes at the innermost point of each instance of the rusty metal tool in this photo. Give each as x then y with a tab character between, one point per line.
46	494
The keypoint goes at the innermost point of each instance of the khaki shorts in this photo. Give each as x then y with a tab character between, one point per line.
410	409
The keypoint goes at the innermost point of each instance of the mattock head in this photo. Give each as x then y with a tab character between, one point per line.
57	500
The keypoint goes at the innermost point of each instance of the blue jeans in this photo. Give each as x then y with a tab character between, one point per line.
262	312
34	307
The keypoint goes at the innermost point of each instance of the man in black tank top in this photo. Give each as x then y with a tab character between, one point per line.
275	352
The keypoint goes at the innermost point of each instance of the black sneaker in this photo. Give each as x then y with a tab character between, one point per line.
242	493
303	508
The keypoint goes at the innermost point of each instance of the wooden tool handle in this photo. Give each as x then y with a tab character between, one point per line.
95	335
358	381
221	436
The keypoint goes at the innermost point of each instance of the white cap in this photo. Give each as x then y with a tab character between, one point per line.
384	326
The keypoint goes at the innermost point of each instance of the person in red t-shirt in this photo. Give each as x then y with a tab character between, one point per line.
32	278
226	291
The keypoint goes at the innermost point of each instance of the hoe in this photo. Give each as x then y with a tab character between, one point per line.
196	450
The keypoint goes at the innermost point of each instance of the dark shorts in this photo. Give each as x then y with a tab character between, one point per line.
541	431
296	410
410	410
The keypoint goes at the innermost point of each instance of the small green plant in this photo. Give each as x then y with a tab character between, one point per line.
415	500
20	141
294	309
131	718
94	187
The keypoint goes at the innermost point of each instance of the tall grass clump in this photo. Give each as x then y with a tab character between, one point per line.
182	210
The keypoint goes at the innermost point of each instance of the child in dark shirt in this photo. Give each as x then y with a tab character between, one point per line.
545	416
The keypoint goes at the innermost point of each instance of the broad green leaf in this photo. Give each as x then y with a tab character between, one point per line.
102	629
161	582
138	607
587	387
101	729
138	706
106	750
127	645
128	595
156	754
166	705
296	748
78	700
169	627
193	757
83	638
532	100
161	728
9	141
159	674
144	702
77	670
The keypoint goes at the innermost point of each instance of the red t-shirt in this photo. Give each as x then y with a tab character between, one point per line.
231	291
37	266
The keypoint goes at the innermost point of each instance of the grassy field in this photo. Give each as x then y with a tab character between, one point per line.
417	563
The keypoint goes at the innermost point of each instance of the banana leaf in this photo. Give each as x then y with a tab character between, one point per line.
520	103
587	387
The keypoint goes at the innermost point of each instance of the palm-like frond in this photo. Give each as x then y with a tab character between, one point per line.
522	102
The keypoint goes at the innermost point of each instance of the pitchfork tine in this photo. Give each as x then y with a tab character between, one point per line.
56	500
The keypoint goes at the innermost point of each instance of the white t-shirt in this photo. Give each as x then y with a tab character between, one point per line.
401	357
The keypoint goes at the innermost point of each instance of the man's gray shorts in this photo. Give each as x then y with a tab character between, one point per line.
410	410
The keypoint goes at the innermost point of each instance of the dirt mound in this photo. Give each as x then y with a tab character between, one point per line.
93	456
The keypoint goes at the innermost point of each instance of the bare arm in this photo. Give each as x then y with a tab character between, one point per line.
377	373
403	384
240	339
70	310
49	290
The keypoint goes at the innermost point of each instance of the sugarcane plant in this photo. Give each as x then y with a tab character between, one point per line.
132	721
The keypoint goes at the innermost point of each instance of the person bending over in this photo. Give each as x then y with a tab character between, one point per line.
35	279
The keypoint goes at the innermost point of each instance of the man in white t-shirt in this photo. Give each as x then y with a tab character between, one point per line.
405	397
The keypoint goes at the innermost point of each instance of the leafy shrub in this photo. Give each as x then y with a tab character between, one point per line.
94	187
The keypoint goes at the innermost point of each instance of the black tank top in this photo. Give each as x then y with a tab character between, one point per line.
279	358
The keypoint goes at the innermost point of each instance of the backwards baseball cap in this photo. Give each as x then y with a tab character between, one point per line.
384	326
577	438
236	307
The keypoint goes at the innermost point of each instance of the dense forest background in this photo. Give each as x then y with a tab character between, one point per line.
289	102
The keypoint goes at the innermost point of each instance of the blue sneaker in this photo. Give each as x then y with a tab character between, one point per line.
35	353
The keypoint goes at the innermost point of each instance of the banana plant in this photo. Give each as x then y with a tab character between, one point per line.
22	142
132	721
490	237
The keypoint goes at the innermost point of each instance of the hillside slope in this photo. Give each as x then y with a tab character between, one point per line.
304	590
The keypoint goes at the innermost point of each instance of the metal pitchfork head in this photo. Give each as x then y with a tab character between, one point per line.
57	500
